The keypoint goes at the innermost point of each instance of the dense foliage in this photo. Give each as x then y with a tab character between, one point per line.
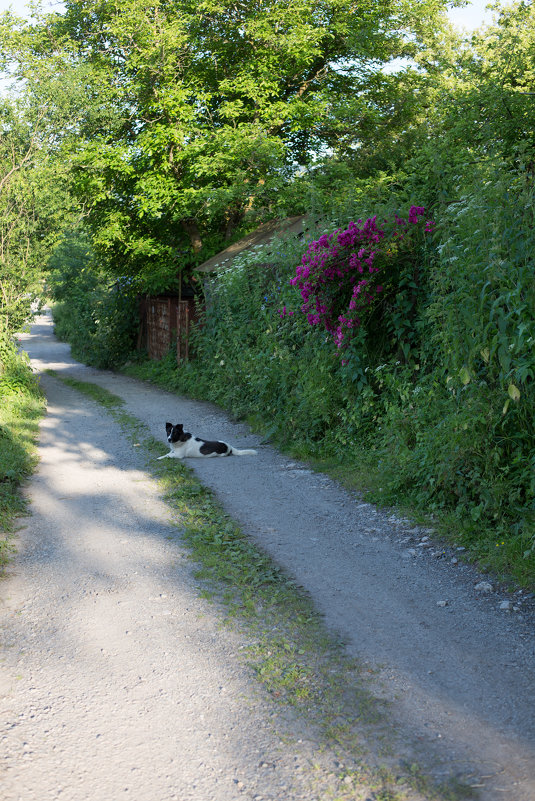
442	421
97	315
445	426
28	213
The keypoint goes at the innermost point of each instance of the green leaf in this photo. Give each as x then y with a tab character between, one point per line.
513	392
464	375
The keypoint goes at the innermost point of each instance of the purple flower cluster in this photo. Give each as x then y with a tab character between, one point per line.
338	277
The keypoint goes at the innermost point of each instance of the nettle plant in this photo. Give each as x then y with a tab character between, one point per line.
369	271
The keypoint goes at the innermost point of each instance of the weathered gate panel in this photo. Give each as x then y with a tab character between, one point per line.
165	323
161	320
182	330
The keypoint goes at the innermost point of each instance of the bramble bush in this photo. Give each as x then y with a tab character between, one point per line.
461	436
483	318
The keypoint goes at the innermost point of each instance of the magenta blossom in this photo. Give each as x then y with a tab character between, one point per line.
330	279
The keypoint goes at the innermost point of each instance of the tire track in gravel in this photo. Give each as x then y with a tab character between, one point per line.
460	676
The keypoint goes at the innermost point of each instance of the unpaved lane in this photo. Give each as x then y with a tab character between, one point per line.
461	675
116	681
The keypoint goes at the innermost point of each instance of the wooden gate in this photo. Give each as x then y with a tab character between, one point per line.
183	314
165	323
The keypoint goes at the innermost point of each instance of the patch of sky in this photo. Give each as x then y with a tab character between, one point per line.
468	18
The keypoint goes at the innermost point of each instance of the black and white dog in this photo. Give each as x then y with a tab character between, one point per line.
184	444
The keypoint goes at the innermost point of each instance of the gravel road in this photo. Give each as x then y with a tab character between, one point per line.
117	680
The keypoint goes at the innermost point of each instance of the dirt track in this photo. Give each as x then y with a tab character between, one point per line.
118	682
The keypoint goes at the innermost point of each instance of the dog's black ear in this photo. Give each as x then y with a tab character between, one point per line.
168	427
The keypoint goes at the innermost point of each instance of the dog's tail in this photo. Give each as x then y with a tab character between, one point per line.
246	452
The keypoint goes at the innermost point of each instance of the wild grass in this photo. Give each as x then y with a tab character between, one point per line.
22	405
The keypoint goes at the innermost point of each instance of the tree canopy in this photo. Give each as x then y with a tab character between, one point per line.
179	124
181	117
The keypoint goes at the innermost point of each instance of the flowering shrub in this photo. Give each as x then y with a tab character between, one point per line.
345	275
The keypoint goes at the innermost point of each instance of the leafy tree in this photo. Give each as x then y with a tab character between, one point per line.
34	199
198	113
495	106
481	111
31	205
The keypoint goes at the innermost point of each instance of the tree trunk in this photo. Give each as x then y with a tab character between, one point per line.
192	230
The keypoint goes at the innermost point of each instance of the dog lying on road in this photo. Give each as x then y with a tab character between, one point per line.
184	444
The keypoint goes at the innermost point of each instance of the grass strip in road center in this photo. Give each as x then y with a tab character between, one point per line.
303	668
